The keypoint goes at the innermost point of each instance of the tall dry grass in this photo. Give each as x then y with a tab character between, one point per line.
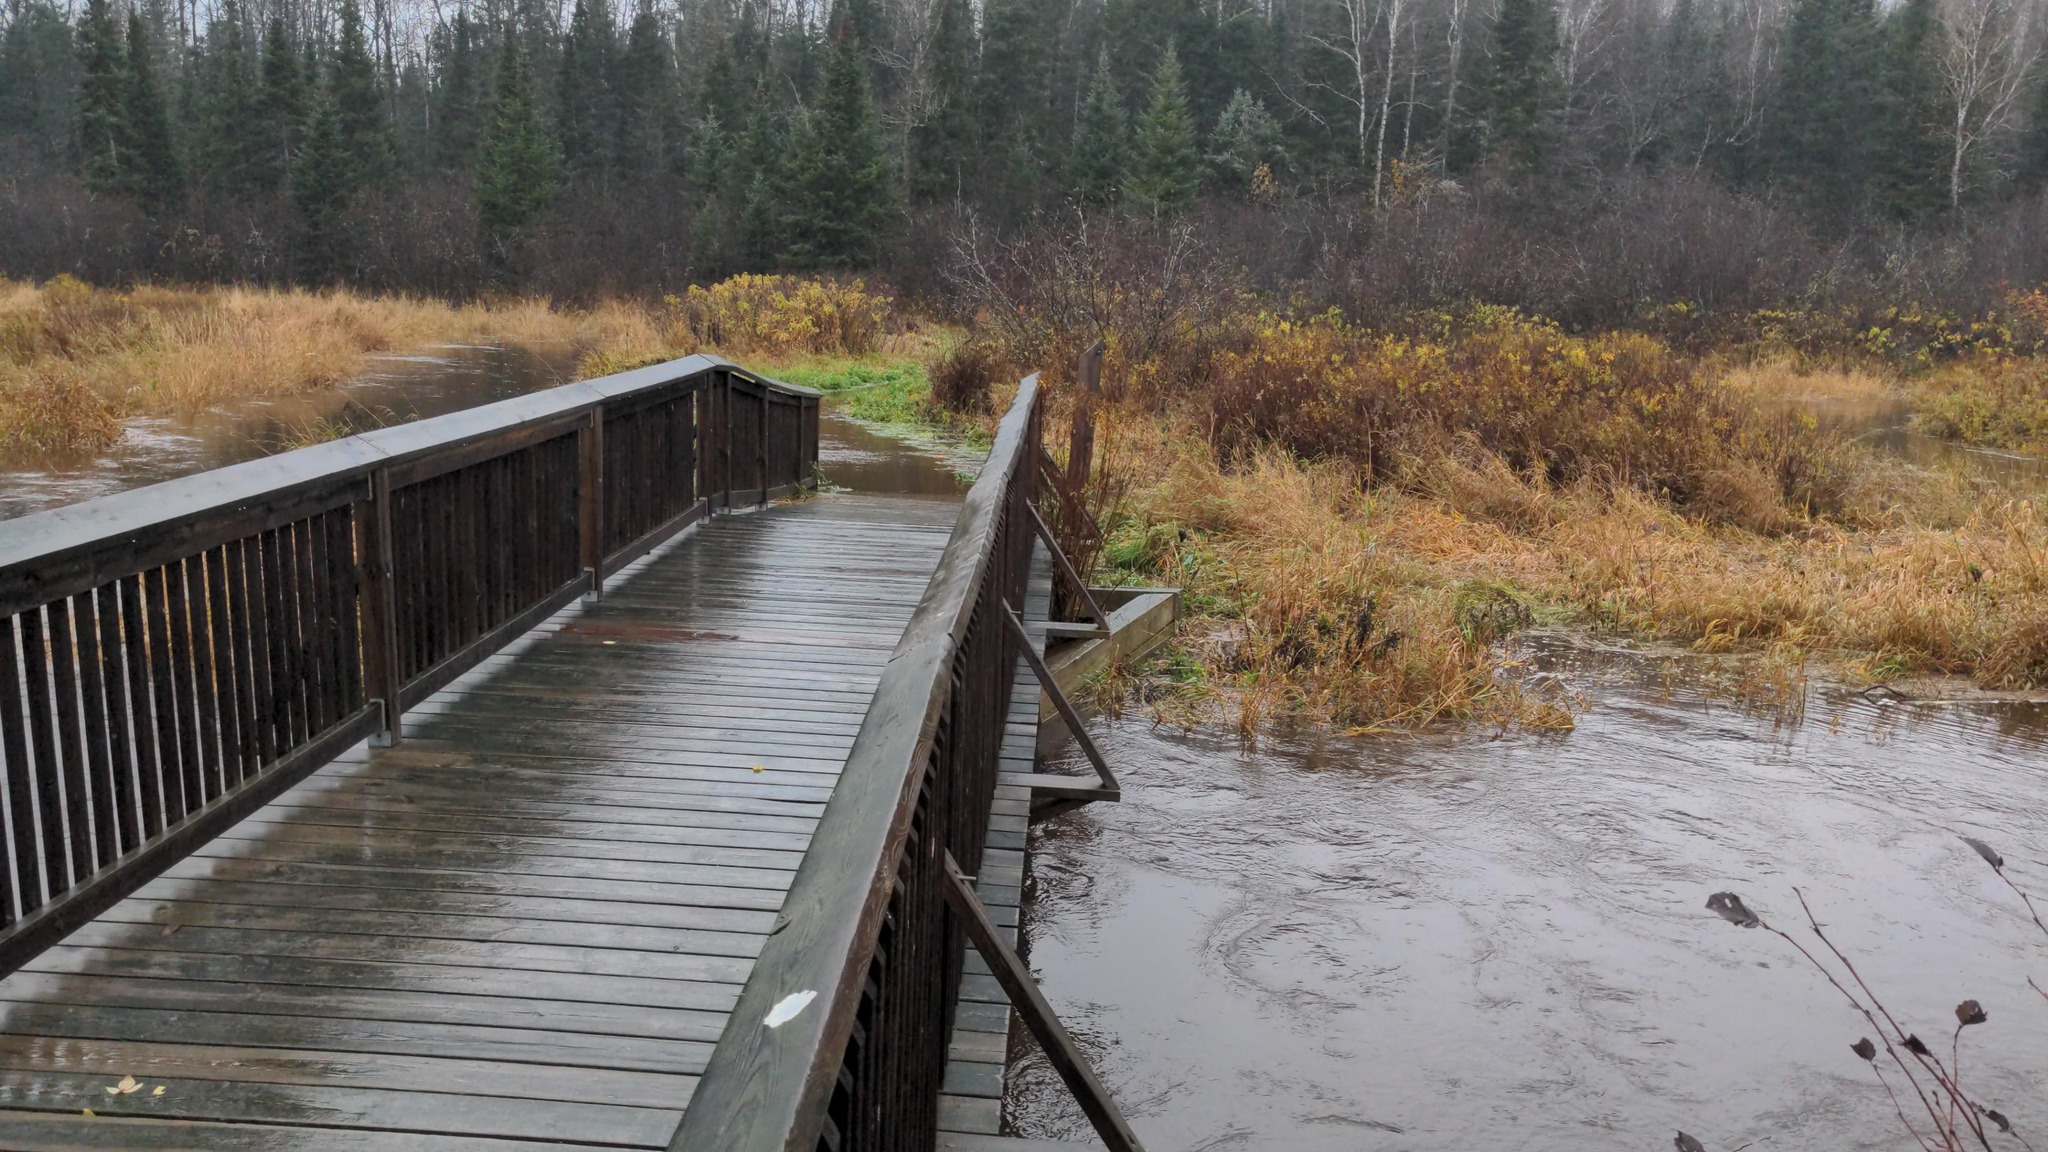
76	360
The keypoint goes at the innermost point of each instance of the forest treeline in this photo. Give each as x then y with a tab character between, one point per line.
1588	159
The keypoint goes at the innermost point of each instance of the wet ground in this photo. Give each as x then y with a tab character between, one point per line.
1466	943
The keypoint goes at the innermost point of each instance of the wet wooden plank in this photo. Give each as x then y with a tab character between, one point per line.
528	921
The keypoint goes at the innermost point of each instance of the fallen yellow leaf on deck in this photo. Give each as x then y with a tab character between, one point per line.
159	1091
128	1084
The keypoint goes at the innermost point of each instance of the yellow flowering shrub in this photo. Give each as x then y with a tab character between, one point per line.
780	314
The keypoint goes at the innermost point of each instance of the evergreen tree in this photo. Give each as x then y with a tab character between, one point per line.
1909	160
1515	91
648	133
461	95
2033	146
586	111
1166	170
282	107
103	134
1096	169
39	78
362	124
155	177
1019	132
235	145
942	145
517	163
840	196
1246	139
1820	128
322	180
756	185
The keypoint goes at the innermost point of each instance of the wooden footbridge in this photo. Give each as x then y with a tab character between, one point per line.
479	784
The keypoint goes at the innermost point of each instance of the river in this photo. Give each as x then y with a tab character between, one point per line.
1455	942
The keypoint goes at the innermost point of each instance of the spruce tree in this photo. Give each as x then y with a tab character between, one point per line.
1246	139
1166	169
367	142
39	79
755	191
2033	143
1818	138
322	180
840	200
648	133
235	145
1515	92
460	99
585	109
1097	166
942	145
1909	162
155	178
282	107
517	162
103	134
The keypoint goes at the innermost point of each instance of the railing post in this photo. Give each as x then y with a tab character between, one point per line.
725	433
382	675
590	490
763	454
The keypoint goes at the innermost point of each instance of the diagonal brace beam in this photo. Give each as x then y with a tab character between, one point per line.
1059	557
1060	702
1030	1003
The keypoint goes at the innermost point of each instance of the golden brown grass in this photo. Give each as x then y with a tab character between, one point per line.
1783	380
1355	604
76	360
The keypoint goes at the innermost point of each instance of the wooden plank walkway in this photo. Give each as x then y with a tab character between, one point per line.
528	921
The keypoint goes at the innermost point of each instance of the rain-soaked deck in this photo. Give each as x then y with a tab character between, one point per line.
526	922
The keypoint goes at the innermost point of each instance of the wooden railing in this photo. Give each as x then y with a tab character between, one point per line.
175	657
839	1037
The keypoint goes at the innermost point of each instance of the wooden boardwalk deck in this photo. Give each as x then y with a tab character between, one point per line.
529	920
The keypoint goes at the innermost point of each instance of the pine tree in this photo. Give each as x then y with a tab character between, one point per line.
1166	170
1819	135
103	134
840	199
2033	144
1246	139
460	99
155	178
1096	168
586	112
322	180
234	147
1020	133
1908	158
755	188
39	78
282	107
942	145
648	131
363	125
517	163
1515	92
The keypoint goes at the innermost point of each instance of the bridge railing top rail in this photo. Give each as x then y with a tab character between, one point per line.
49	554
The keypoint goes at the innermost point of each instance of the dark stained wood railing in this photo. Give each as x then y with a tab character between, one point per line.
867	955
175	657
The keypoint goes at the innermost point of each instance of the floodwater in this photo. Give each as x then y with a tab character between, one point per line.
1885	423
1462	943
398	389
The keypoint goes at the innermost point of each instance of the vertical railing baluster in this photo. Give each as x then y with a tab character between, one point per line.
590	494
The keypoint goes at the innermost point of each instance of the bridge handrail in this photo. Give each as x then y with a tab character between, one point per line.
174	657
839	1038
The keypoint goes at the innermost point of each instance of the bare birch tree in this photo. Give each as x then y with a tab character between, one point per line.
1988	49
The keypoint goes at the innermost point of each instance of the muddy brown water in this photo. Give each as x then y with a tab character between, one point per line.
1455	942
1462	943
